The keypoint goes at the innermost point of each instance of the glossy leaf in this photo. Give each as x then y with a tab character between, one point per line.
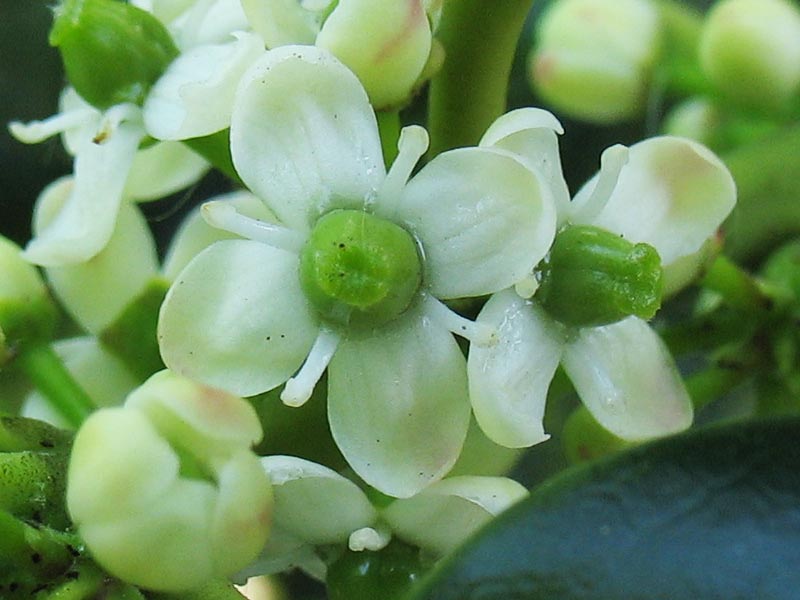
712	514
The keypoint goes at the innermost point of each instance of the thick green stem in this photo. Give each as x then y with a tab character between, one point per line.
479	39
767	211
48	373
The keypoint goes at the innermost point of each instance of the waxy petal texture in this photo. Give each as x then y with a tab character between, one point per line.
628	380
319	149
397	404
236	318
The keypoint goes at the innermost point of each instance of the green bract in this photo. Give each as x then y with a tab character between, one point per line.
595	277
357	269
112	51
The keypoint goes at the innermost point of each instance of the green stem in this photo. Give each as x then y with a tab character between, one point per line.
35	551
479	39
389	128
48	373
739	289
767	211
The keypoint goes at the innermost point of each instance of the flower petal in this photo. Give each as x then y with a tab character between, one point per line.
282	22
508	381
443	515
95	292
208	22
530	134
85	223
194	97
303	135
673	194
163	169
483	221
397	404
315	503
627	379
235	318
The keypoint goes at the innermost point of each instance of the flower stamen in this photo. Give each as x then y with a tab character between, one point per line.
299	388
413	143
34	132
611	162
480	334
225	216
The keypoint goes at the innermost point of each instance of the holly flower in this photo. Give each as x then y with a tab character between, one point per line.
668	193
353	276
315	507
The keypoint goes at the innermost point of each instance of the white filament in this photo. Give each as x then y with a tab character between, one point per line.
412	144
611	162
480	334
223	215
299	388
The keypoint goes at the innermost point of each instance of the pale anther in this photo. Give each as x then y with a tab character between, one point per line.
299	388
413	143
612	161
480	334
223	215
38	131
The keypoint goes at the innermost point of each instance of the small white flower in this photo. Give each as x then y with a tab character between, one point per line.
669	192
315	506
304	139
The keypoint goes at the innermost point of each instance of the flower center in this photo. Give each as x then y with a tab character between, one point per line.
358	269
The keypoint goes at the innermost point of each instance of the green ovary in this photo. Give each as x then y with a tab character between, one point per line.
358	269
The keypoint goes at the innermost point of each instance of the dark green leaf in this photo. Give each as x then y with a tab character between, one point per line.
712	514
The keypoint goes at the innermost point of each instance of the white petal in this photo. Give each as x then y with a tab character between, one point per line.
282	22
194	97
195	234
443	515
508	381
531	135
208	22
95	292
315	503
304	137
163	169
673	194
235	318
482	219
627	379
397	404
86	221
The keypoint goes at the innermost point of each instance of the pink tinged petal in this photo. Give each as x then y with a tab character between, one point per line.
163	169
86	221
194	97
397	404
627	379
531	136
282	22
314	503
386	43
304	136
443	515
95	292
195	234
508	381
482	219
235	318
673	194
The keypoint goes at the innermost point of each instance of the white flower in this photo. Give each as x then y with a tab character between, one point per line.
669	192
304	139
315	506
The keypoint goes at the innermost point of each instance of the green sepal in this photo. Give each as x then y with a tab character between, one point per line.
594	277
358	269
132	336
387	574
113	52
24	321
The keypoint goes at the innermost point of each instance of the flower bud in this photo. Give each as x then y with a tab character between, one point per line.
595	277
165	490
750	49
26	311
386	43
112	51
593	59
